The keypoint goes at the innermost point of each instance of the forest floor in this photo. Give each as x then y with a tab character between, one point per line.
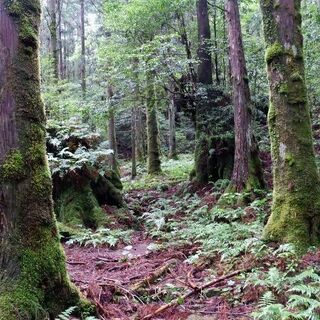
174	254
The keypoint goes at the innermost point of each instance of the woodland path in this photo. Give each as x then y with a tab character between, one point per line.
108	276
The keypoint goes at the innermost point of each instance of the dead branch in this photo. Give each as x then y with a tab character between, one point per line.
156	274
175	302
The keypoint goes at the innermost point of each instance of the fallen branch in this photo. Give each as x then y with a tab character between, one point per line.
156	274
177	301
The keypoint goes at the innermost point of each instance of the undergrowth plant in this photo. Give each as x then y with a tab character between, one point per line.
102	236
289	296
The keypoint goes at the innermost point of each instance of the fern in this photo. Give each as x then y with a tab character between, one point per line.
65	315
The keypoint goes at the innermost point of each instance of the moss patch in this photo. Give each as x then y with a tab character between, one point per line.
13	167
274	51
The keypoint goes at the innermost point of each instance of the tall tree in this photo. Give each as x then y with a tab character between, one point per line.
205	81
33	279
112	131
247	172
296	195
83	48
154	163
53	28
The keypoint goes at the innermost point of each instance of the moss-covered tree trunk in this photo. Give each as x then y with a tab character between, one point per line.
33	279
154	163
296	196
247	171
205	83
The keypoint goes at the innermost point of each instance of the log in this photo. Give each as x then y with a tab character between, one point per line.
156	274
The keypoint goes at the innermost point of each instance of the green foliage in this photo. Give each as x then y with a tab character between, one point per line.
91	151
301	292
102	236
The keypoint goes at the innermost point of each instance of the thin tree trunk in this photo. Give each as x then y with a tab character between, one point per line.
53	27
112	132
83	49
172	128
141	145
247	173
154	163
216	59
33	278
296	195
61	60
133	144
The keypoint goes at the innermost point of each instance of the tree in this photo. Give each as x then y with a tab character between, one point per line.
247	173
83	48
112	131
296	193
53	28
154	163
33	279
206	83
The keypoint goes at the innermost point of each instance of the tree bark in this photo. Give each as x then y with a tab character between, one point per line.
83	49
112	132
53	28
141	145
205	83
133	144
247	173
296	195
33	278
172	127
154	163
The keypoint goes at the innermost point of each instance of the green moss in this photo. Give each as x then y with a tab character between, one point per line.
274	51
283	88
13	167
79	207
42	265
289	159
41	182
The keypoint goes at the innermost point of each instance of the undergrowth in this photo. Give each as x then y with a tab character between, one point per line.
102	236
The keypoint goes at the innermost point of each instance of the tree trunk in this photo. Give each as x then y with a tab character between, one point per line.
61	60
296	196
112	132
154	164
33	279
172	128
247	173
53	27
133	144
83	49
205	82
140	135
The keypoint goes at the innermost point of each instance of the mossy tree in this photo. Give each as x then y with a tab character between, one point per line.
154	163
296	196
33	278
247	170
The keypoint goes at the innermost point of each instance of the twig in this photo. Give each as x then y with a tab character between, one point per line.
194	291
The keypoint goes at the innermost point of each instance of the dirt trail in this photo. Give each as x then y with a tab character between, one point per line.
107	277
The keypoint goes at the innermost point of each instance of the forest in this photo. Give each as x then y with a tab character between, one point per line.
159	159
